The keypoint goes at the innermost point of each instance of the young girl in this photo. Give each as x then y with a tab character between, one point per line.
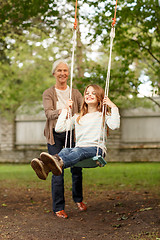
88	131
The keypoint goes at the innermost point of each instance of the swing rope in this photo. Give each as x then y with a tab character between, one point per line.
75	16
103	126
69	115
106	91
73	49
114	19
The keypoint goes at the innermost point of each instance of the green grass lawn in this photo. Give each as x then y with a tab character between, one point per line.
133	176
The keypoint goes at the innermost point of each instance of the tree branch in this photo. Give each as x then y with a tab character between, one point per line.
147	49
134	92
150	98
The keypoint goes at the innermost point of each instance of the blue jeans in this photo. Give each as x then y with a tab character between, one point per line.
58	181
71	156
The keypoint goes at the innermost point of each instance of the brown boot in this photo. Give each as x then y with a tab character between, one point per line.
54	163
40	168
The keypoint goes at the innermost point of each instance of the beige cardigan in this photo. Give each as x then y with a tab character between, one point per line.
49	104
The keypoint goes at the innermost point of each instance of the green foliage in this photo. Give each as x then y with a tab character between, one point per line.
15	16
35	33
25	84
28	72
137	33
20	13
28	46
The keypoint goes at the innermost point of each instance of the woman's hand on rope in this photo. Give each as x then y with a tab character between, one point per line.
69	104
59	112
108	102
69	107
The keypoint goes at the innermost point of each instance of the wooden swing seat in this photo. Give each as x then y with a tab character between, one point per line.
91	162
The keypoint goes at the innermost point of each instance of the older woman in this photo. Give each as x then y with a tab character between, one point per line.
54	100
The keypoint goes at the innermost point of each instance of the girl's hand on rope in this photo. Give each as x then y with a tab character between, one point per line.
108	102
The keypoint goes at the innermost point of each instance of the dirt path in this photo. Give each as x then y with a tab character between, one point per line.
25	214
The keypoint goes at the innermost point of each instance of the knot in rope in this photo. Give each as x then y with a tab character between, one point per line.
75	24
114	21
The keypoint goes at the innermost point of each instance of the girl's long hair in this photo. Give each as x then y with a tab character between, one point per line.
100	96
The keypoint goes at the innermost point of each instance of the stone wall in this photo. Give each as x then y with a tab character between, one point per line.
6	135
138	138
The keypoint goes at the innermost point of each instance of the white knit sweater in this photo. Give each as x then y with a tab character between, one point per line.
88	132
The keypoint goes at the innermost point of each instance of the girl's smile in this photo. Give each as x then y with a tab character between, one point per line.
90	96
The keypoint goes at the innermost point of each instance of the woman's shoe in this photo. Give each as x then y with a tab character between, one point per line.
61	214
81	206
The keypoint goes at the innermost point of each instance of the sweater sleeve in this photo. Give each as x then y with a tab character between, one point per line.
113	120
48	105
64	124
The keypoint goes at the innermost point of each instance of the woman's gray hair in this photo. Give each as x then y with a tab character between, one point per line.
56	63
